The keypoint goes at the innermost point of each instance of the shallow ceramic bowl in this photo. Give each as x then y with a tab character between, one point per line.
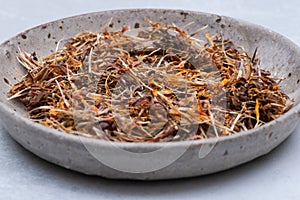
155	160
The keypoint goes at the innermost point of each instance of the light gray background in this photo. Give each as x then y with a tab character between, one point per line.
275	176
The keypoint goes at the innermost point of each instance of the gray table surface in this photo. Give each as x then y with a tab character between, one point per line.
275	176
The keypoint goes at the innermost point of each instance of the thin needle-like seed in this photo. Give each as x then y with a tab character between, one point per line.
62	94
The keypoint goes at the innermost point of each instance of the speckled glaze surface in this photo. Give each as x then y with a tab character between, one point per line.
277	54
